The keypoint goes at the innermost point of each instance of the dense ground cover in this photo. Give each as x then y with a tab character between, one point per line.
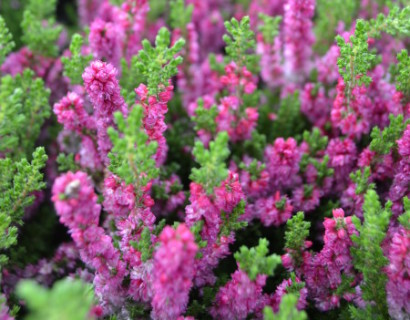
205	159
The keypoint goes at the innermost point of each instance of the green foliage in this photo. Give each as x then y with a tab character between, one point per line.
68	299
159	64
396	23
180	15
131	155
205	118
361	179
74	66
24	107
383	142
130	79
144	245
212	168
254	168
18	180
66	162
231	221
315	140
255	261
6	40
290	121
327	18
240	41
196	231
404	218
40	33
355	59
403	73
368	255
297	230
287	310
270	27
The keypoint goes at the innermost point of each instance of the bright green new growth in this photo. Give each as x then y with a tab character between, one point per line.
18	181
403	74
212	168
74	66
23	108
255	261
327	18
316	141
287	310
69	299
368	256
159	64
131	157
396	23
39	31
361	179
144	245
231	221
297	230
254	168
6	40
289	120
383	142
355	59
404	218
270	27
240	41
205	118
180	15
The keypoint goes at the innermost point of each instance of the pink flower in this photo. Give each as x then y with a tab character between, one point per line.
71	114
274	210
229	194
173	272
282	289
398	271
239	297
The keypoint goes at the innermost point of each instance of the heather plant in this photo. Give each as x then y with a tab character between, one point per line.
204	159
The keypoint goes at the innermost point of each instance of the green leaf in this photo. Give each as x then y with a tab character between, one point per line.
287	310
6	40
74	66
256	261
157	65
68	299
212	168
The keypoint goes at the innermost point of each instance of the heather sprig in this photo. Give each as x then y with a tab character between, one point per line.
131	155
159	64
18	181
368	255
40	33
383	141
74	66
205	118
269	27
67	299
316	141
404	218
212	168
231	221
256	261
355	58
361	179
180	14
327	20
403	74
240	43
6	40
395	23
24	108
287	309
